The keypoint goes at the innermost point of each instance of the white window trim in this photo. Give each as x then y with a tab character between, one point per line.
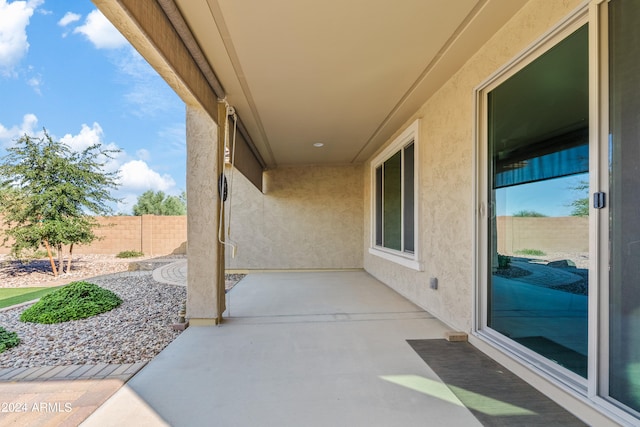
406	259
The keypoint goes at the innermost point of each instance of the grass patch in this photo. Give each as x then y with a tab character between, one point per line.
533	252
13	296
77	300
129	254
8	339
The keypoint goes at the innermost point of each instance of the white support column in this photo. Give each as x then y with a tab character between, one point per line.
203	250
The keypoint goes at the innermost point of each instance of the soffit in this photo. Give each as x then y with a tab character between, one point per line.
344	73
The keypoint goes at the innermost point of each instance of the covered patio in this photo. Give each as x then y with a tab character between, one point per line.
362	140
313	349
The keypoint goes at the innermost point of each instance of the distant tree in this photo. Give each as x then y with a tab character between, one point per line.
580	206
527	213
159	203
48	193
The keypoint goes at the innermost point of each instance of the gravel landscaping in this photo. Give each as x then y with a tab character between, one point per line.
14	273
136	331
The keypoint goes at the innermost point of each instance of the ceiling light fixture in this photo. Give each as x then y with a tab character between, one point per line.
318	144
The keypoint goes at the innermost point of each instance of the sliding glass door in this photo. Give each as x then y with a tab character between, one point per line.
538	150
624	229
559	217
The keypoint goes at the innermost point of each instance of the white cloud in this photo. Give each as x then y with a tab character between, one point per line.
136	175
68	18
9	135
93	135
35	83
99	31
87	137
14	18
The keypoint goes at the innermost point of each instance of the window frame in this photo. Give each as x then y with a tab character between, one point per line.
402	257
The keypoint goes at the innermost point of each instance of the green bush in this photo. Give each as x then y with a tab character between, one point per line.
534	252
8	339
504	262
77	300
129	254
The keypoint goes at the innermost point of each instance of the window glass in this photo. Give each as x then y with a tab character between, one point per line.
392	212
408	219
379	206
394	201
538	232
624	280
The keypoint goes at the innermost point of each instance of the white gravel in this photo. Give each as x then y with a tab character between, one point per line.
136	331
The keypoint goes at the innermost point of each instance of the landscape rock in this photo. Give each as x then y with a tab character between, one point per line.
136	331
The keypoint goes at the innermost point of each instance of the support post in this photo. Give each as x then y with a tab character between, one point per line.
204	252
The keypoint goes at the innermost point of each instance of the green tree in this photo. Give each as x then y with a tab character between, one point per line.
158	203
48	193
580	206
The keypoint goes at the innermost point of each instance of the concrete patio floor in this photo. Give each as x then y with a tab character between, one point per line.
312	349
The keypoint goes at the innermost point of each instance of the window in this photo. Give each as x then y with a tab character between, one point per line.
394	193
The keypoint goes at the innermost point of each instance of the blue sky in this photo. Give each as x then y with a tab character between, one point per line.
551	197
65	68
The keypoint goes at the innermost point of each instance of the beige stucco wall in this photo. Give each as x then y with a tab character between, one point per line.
446	164
307	218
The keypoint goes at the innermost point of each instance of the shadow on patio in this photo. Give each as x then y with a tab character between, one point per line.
312	349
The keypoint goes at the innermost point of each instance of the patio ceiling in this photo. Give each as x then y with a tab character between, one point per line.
343	73
346	74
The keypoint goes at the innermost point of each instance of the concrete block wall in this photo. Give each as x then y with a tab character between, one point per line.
150	234
548	234
169	234
117	234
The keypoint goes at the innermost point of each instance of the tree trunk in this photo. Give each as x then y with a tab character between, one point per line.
53	264
69	260
60	259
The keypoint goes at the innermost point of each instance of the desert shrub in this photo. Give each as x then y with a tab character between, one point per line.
77	300
8	339
27	256
504	261
35	254
529	214
129	254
